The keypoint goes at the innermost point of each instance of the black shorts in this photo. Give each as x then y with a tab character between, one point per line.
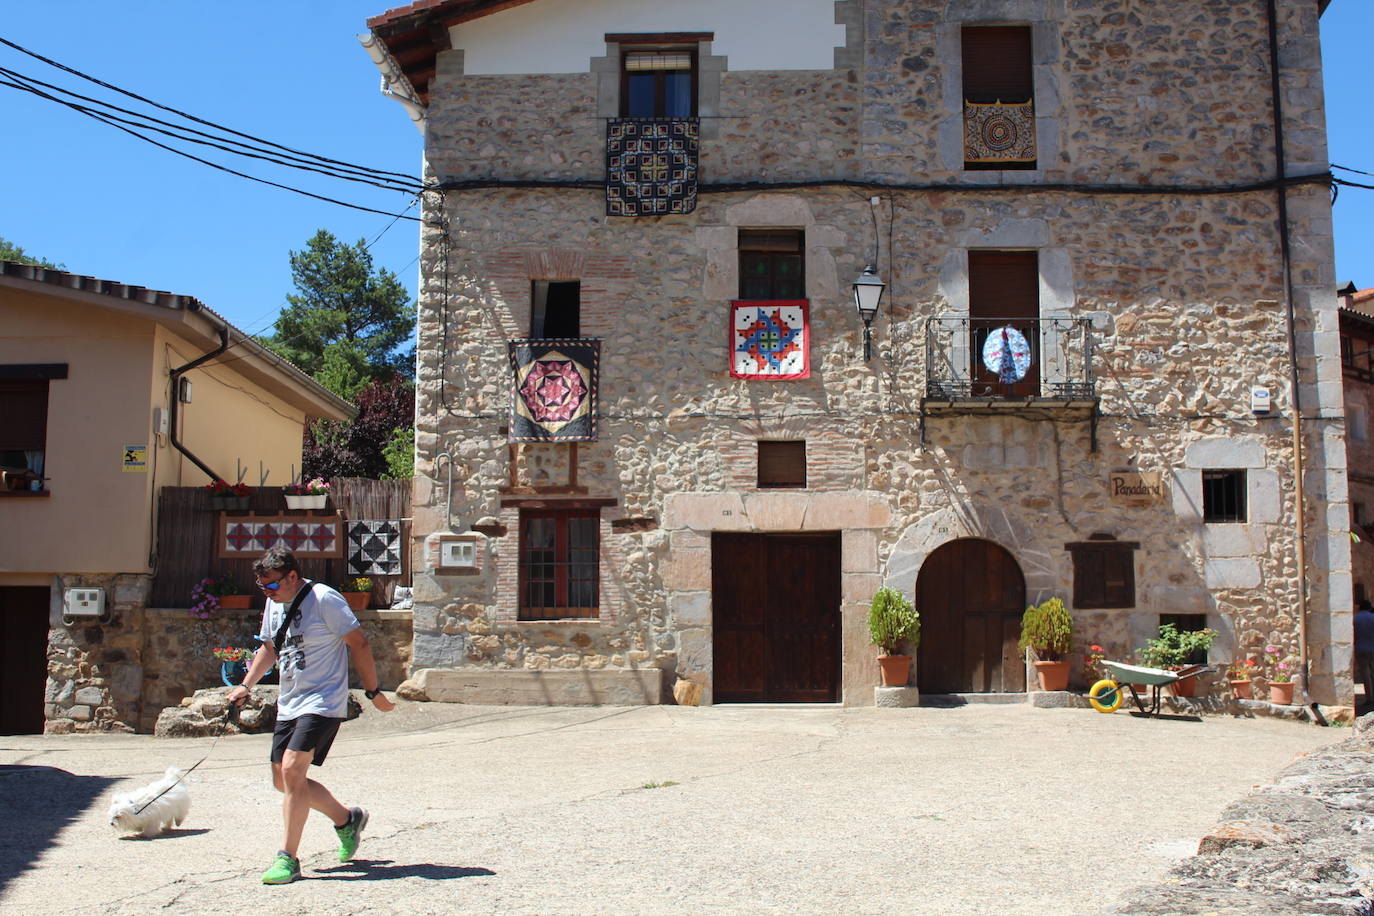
305	733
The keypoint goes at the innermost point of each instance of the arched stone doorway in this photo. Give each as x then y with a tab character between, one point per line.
971	595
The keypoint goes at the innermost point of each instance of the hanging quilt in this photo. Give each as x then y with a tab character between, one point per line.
554	395
651	166
241	538
1007	353
770	340
999	133
374	547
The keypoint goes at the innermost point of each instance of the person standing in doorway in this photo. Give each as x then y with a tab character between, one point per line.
309	632
1364	648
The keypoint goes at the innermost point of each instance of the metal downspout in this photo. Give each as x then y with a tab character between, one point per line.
175	412
1285	247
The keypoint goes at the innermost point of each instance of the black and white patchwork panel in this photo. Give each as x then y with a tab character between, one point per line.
374	547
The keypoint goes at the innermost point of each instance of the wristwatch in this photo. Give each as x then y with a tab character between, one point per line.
370	694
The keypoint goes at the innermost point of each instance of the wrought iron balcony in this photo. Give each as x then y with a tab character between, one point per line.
1039	361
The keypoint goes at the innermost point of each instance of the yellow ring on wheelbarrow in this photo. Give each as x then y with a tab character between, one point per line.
1105	695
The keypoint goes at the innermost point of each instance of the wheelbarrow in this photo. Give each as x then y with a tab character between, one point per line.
1106	695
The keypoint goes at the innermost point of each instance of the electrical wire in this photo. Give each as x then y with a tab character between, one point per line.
214	165
146	122
191	117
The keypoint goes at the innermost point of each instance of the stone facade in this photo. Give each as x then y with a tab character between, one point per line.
1140	110
119	675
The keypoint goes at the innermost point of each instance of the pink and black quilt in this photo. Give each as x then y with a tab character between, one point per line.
554	391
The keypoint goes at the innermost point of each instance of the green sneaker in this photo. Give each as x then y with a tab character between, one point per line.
284	870
351	833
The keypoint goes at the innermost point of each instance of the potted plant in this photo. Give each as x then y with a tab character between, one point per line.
233	664
306	494
1047	630
1174	648
1280	677
1239	676
893	621
357	591
214	593
226	496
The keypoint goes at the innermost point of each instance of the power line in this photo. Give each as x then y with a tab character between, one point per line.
107	119
259	153
191	117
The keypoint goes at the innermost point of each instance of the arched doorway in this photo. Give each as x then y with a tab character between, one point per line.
971	596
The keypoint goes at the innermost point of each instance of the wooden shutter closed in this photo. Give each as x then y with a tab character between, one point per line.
782	464
997	64
24	405
1003	284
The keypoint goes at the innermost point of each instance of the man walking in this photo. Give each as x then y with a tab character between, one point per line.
1364	649
309	632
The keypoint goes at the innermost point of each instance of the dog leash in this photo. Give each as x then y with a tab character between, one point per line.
230	715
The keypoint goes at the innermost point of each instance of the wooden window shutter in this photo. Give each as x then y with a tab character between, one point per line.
1089	586
1103	572
997	64
24	404
782	464
1003	284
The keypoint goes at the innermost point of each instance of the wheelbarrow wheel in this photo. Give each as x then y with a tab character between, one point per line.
1105	695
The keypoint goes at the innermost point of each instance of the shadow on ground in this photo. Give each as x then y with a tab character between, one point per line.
387	870
35	804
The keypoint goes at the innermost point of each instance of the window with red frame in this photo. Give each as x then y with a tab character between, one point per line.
560	568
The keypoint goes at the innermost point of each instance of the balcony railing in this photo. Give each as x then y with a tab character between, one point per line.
1055	365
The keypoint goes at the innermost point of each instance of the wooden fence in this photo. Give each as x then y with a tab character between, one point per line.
186	537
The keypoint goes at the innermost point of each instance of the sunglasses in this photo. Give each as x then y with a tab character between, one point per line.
269	586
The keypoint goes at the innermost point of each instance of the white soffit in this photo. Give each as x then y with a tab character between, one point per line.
562	36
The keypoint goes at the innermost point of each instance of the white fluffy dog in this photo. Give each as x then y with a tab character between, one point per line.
153	809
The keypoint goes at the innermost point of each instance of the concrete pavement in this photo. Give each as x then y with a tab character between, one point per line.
663	809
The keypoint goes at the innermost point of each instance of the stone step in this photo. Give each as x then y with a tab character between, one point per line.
965	699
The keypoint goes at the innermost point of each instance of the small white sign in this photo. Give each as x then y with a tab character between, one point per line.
1259	400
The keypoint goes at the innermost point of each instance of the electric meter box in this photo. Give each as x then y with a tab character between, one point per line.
1260	401
84	602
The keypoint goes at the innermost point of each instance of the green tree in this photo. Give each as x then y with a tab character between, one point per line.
12	252
346	319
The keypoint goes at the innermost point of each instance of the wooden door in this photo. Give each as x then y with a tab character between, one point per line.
23	659
1003	289
971	595
776	617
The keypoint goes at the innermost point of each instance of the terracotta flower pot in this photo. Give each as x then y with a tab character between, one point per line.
1052	675
1242	690
1281	694
896	669
1184	688
357	601
235	602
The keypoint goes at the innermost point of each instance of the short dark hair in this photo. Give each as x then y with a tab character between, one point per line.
276	559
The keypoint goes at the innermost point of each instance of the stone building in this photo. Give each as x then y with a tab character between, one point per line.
651	443
1357	360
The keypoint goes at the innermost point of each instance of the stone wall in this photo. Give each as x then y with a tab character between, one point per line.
120	675
1186	293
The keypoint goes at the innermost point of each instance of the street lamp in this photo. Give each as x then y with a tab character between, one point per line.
868	293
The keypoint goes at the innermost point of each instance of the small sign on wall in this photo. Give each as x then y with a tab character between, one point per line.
1135	488
135	458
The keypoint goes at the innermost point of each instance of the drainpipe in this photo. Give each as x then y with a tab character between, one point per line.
1285	247
175	412
392	78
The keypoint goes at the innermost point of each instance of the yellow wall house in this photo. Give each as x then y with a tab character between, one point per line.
109	392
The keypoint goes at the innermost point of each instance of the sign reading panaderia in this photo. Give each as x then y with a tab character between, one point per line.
1135	488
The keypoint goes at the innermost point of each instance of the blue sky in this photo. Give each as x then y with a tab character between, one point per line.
292	71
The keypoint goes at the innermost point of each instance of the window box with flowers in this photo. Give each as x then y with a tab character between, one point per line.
357	591
218	593
225	496
306	494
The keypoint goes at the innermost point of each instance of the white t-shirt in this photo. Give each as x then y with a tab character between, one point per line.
314	658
